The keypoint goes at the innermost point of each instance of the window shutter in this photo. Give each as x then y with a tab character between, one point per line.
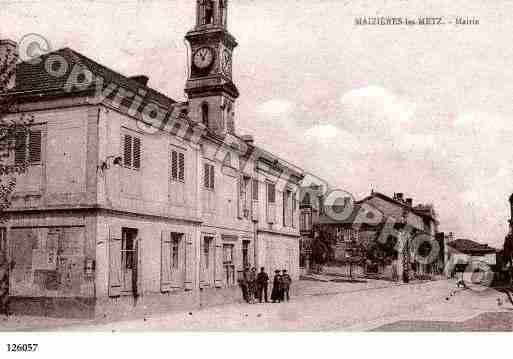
115	276
271	203
35	146
240	203
127	150
20	147
212	177
165	262
137	153
181	166
174	165
206	175
295	219
189	263
285	209
218	261
254	202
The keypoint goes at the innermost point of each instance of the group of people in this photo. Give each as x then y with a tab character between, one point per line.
254	286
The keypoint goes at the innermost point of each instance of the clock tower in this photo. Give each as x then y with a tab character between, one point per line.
210	88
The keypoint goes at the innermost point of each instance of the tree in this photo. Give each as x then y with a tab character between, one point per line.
12	130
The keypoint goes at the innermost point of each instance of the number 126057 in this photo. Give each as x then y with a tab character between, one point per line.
22	347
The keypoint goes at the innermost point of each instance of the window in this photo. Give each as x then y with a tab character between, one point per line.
306	199
176	239
244	197
177	166
227	253
271	203
255	189
209	176
286	208
245	254
27	147
228	160
271	193
204	114
132	152
306	221
206	252
128	248
209	12
229	267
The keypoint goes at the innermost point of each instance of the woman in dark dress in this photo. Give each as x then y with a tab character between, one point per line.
276	294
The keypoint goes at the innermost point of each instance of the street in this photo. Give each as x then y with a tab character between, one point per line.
369	305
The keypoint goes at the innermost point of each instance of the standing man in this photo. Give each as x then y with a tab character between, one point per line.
286	281
243	283
262	283
276	294
252	285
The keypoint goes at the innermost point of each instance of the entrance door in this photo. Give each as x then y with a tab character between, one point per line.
129	259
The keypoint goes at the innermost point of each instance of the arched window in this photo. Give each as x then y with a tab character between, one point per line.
209	12
204	114
223	8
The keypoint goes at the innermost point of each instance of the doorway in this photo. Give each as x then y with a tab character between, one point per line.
129	260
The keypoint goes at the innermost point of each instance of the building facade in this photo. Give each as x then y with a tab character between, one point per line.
353	230
134	201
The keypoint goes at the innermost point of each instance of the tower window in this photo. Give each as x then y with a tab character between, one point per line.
204	114
209	12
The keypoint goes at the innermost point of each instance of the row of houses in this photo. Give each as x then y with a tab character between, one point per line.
135	201
375	218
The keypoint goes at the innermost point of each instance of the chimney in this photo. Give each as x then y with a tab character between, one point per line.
399	197
8	59
142	79
409	202
248	139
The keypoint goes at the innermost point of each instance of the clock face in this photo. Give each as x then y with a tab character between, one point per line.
203	58
226	63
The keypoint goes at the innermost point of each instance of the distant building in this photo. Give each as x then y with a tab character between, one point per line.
365	222
461	252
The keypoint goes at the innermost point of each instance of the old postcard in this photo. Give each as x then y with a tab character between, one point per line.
255	166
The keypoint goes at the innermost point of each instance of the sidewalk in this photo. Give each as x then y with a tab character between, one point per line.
322	311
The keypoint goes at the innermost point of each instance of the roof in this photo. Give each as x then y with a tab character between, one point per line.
468	246
420	210
33	77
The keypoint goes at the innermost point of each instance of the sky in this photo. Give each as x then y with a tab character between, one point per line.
423	110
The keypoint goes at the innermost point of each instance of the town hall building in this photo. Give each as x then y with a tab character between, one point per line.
133	201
